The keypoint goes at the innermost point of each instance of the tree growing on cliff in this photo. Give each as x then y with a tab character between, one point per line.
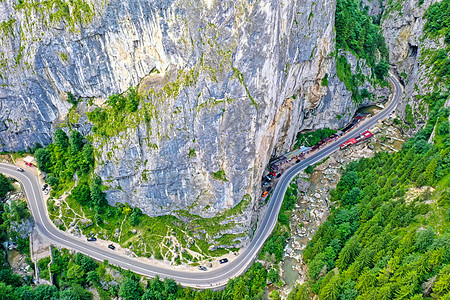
75	141
97	195
60	139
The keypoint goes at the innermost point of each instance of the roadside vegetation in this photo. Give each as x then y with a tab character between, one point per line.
273	249
309	139
14	215
78	199
76	276
388	234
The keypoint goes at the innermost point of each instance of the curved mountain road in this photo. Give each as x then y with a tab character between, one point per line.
212	278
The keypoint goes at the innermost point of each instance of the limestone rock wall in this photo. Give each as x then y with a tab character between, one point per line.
258	67
403	25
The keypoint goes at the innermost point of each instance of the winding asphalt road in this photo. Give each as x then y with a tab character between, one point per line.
214	277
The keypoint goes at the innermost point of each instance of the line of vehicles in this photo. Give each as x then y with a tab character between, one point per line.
266	181
277	164
364	136
112	247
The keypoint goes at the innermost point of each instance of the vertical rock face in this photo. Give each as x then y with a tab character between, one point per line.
255	80
403	29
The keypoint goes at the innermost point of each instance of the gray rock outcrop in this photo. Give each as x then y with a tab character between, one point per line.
403	29
258	67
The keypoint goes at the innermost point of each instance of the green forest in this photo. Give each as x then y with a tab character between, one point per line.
357	32
78	277
438	25
388	238
360	34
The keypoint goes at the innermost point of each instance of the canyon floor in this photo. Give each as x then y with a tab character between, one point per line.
314	204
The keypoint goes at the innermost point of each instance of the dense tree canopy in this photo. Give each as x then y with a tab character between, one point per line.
355	31
382	241
5	185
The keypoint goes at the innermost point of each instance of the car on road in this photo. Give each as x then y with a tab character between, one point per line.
202	268
223	260
20	169
111	246
44	186
92	239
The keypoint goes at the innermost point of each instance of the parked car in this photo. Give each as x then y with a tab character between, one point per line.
264	194
92	239
111	246
279	175
265	184
20	169
44	186
202	268
269	188
223	260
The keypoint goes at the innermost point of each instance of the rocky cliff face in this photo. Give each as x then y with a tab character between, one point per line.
403	24
255	80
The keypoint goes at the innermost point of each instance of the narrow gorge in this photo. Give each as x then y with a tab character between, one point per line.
225	86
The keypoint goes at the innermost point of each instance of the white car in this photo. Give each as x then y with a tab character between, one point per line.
20	169
46	192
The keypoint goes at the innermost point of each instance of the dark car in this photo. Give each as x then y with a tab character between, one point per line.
223	260
269	188
92	239
44	186
279	175
111	246
202	268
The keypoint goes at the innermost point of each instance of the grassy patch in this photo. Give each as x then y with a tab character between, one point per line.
220	175
311	138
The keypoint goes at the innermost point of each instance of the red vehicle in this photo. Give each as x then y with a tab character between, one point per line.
348	143
365	135
264	194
